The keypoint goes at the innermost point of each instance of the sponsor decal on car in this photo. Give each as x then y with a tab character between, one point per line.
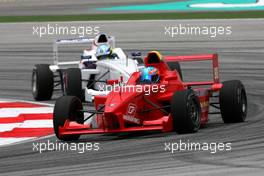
204	104
130	115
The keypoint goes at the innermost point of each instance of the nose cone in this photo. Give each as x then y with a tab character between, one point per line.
116	101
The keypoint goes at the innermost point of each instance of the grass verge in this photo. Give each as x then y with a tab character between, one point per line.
135	16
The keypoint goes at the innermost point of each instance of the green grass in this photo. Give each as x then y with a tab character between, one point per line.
135	16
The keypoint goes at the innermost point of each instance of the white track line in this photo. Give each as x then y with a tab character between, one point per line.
14	112
8	126
37	124
27	124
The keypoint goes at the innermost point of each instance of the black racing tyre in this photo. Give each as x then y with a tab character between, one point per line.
175	66
42	82
185	111
233	101
67	107
73	83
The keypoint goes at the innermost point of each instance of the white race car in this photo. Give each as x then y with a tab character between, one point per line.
86	77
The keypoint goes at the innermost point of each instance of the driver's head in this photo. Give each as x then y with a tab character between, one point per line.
149	75
103	51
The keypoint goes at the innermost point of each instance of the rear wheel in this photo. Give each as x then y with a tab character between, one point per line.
233	102
67	108
175	66
42	82
73	83
185	111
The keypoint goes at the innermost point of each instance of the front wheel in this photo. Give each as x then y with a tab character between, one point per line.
67	108
185	111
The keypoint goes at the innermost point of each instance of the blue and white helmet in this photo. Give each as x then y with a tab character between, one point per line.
103	51
149	75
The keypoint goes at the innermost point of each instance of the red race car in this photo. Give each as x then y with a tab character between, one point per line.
168	104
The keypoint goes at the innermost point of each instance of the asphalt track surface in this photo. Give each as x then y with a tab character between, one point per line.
62	7
240	57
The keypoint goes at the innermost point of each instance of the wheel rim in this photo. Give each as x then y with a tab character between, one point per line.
34	82
243	103
193	112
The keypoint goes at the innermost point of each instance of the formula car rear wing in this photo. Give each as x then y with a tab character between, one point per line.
203	57
73	41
